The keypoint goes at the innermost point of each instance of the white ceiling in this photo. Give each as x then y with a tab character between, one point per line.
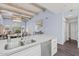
60	7
30	9
54	7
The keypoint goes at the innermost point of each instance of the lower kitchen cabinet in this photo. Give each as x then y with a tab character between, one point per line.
47	48
31	51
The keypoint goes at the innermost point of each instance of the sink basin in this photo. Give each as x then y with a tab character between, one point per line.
16	44
25	42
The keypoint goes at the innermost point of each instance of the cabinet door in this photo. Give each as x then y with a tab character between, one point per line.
31	51
46	48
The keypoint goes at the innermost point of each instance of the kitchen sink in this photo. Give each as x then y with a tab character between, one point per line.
20	43
25	42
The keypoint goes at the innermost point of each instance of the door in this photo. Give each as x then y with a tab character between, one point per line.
73	31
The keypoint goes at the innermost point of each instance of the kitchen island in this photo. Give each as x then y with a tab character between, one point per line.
45	45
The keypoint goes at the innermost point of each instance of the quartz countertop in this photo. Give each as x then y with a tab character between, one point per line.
39	39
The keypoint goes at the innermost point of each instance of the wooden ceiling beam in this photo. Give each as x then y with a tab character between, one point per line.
15	12
3	7
19	7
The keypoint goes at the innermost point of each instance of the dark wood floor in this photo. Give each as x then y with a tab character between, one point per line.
68	49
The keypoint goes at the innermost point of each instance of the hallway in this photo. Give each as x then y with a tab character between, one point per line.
68	49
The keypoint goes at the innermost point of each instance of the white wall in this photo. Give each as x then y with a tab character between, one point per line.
53	24
50	23
60	25
49	20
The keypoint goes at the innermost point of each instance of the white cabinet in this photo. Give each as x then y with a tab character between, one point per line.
53	46
46	48
49	48
31	51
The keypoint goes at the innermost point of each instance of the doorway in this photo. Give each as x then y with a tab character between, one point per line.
71	29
